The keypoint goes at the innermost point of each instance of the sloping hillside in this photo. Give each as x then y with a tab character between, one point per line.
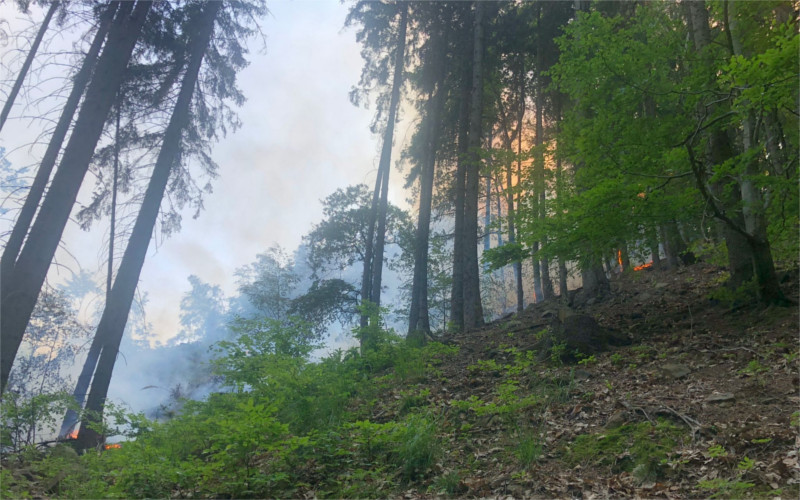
698	399
703	402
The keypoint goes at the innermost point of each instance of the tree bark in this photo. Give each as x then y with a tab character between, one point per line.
560	187
115	316
592	275
720	149
23	72
546	281
457	290
28	211
366	275
386	156
419	318
508	138
473	310
752	203
85	377
30	270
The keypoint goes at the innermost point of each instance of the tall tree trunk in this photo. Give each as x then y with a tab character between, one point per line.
366	275
457	290
85	377
386	156
25	281
23	72
674	247
473	310
487	216
520	118
115	314
720	149
28	211
755	221
592	275
560	188
508	138
546	281
419	322
81	388
498	185
624	256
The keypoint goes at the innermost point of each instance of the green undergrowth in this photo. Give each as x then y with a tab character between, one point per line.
643	449
282	427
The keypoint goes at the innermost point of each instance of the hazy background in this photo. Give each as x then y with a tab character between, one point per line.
301	140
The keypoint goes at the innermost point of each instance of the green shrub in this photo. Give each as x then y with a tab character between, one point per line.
419	447
529	448
642	448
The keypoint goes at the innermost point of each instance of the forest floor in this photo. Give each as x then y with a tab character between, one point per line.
703	403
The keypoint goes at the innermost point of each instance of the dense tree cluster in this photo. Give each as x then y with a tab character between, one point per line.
605	133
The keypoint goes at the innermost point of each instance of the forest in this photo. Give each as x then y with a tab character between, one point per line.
591	289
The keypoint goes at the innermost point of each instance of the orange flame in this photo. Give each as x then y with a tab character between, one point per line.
643	266
112	445
73	435
619	259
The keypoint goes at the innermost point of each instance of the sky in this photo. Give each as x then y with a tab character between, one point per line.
301	139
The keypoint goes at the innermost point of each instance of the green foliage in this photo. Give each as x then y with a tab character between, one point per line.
419	446
25	420
557	352
326	302
754	367
717	450
485	365
746	464
641	448
529	448
744	294
633	104
725	488
285	417
11	486
412	399
448	483
713	253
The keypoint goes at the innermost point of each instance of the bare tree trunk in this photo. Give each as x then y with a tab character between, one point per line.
23	72
81	388
720	149
115	316
419	318
34	197
624	255
457	290
592	275
546	281
560	188
755	221
487	216
25	282
366	275
85	377
386	155
473	310
508	138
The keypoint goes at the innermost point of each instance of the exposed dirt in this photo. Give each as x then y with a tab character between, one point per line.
727	376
